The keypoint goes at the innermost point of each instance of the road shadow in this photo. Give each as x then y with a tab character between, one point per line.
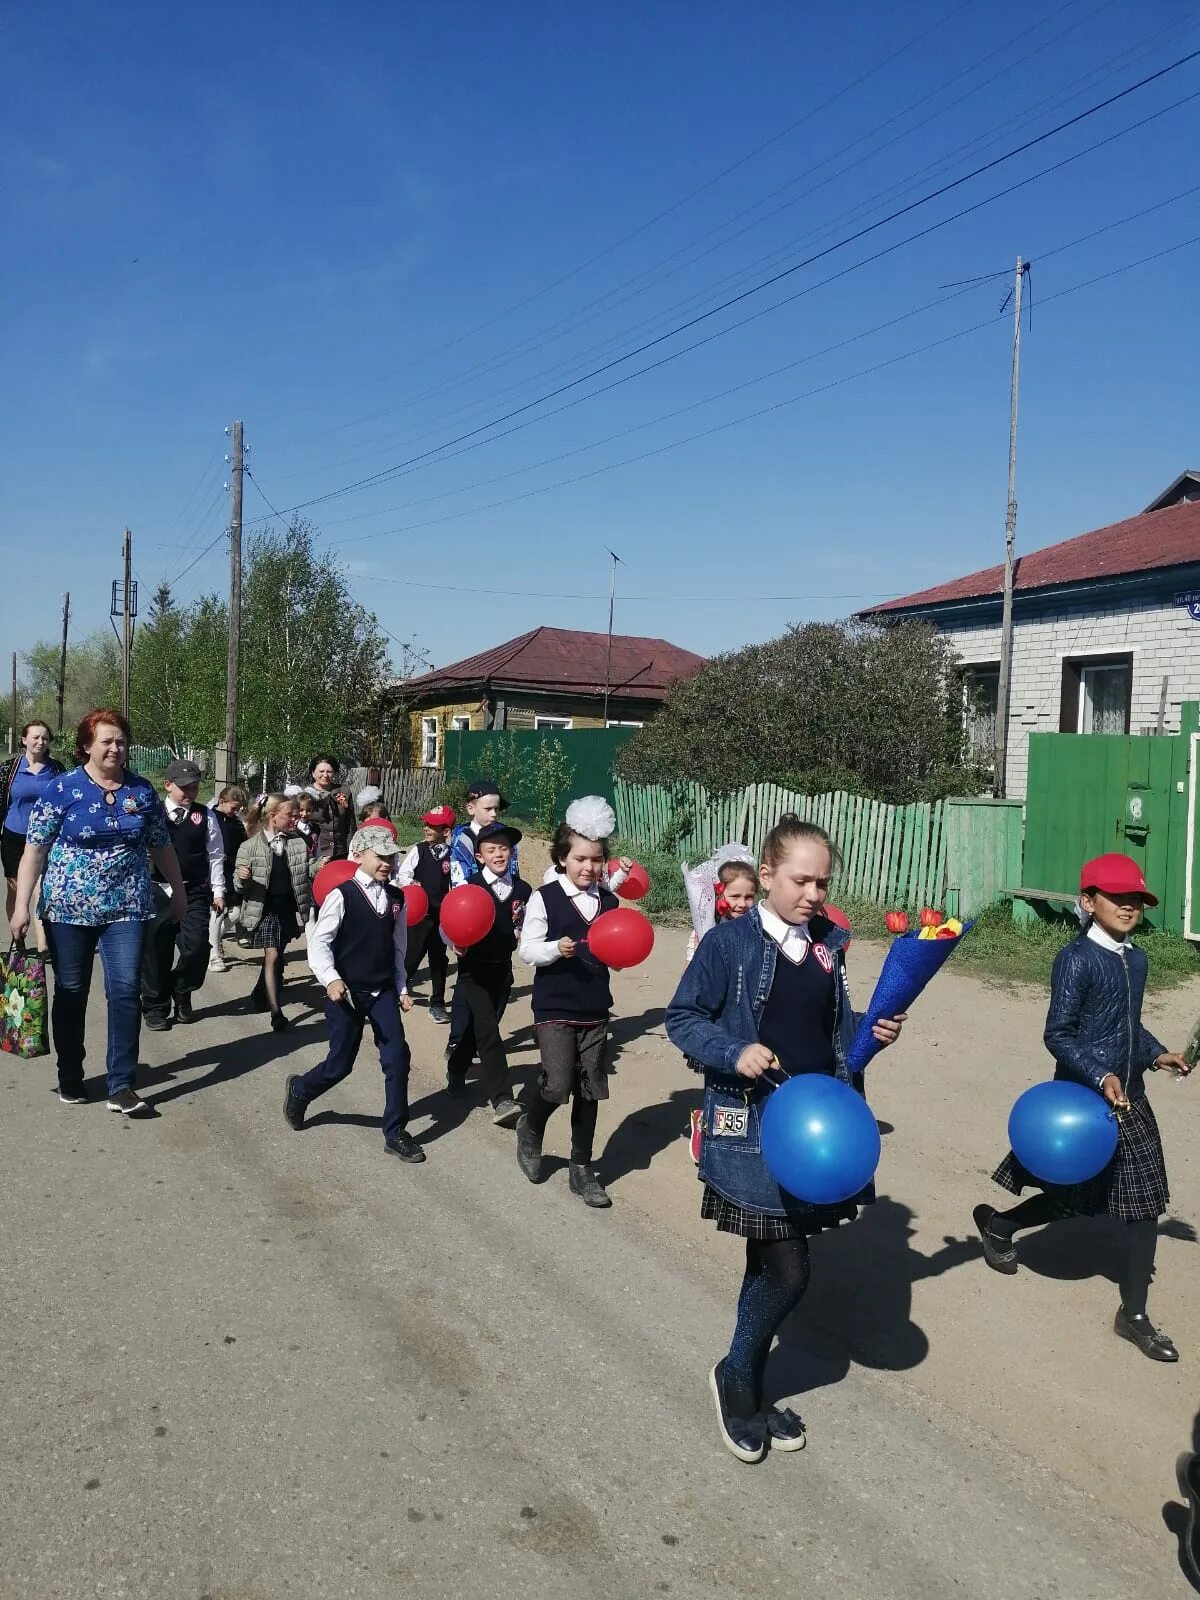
228	1060
1177	1518
624	1031
647	1132
446	1111
1086	1247
858	1309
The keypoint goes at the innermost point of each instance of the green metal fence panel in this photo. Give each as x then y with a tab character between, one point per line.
512	756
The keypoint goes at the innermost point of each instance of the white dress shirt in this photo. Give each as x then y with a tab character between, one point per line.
214	843
1105	940
320	940
793	938
536	948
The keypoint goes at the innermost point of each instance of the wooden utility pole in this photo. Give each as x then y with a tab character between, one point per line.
126	618
235	605
1000	777
16	726
62	660
612	604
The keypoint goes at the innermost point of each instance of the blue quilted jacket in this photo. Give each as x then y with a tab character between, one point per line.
1094	1025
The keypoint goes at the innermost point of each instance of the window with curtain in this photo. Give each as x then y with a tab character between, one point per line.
981	697
1104	699
429	741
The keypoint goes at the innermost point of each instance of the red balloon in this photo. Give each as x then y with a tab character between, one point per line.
621	938
637	884
840	920
330	875
467	915
416	902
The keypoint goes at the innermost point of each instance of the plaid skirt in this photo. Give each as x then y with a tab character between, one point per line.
275	931
800	1222
1132	1187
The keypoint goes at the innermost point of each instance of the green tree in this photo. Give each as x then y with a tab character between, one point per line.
173	699
314	661
843	705
93	679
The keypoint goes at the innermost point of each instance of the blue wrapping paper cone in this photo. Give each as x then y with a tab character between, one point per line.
910	964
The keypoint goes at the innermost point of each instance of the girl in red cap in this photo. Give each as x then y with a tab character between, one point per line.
1094	1032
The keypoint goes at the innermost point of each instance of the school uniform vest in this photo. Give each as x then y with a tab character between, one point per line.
364	951
432	872
496	947
575	988
191	846
797	1020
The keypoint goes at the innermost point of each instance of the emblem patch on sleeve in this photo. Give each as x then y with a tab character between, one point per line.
730	1122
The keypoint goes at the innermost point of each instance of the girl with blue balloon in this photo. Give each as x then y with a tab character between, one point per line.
1089	1142
788	1145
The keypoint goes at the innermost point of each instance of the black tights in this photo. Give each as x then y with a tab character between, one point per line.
776	1277
583	1123
270	980
1141	1243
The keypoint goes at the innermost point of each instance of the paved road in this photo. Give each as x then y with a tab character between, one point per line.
243	1364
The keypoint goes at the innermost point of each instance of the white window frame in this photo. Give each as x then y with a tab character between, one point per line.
614	722
460	722
562	724
429	730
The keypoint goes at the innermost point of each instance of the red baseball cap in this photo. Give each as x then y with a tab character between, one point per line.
1115	874
440	817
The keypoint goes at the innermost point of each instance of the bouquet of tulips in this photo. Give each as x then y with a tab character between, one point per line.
912	960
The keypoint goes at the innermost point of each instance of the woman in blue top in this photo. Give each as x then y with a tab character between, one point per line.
766	994
22	780
91	838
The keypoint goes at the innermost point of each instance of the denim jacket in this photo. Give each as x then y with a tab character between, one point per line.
713	1017
1094	1025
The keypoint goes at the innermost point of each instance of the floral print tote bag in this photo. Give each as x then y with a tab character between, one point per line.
23	1030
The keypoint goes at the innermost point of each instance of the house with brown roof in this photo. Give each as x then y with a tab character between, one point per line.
1106	630
547	678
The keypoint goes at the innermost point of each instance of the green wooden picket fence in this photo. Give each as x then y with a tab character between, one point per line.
894	855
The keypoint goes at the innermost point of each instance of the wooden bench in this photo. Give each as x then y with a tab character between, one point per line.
1025	901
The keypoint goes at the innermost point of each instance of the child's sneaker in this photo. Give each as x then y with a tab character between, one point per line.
695	1134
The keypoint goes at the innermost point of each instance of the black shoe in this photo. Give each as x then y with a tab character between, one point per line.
786	1429
405	1146
1187	1470
744	1437
438	1013
529	1151
72	1097
1141	1331
293	1105
157	1022
183	1008
506	1113
128	1103
584	1182
999	1253
279	1023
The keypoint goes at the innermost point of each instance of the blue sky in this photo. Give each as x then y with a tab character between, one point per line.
325	221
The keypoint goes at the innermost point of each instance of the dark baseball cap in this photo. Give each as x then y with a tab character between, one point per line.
183	773
482	786
498	832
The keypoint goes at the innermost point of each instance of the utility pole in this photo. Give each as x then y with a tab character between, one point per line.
15	723
1000	777
235	605
62	660
612	602
126	619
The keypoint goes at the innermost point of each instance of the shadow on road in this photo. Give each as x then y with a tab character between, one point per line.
1178	1519
1087	1247
226	1061
858	1309
647	1132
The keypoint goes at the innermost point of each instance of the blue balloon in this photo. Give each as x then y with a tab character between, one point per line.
1062	1132
819	1139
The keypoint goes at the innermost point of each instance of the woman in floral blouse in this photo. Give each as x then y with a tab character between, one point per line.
92	837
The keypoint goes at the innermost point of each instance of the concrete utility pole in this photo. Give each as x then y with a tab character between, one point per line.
1000	778
126	619
62	660
235	605
612	604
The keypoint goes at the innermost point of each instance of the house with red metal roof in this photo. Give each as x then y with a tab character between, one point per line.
546	678
1106	630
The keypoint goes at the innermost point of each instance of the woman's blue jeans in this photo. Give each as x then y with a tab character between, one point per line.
73	953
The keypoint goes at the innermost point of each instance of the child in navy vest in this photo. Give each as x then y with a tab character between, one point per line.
175	954
571	995
485	974
356	952
428	864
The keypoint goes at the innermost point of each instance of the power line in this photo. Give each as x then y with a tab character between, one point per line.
785	273
778	405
